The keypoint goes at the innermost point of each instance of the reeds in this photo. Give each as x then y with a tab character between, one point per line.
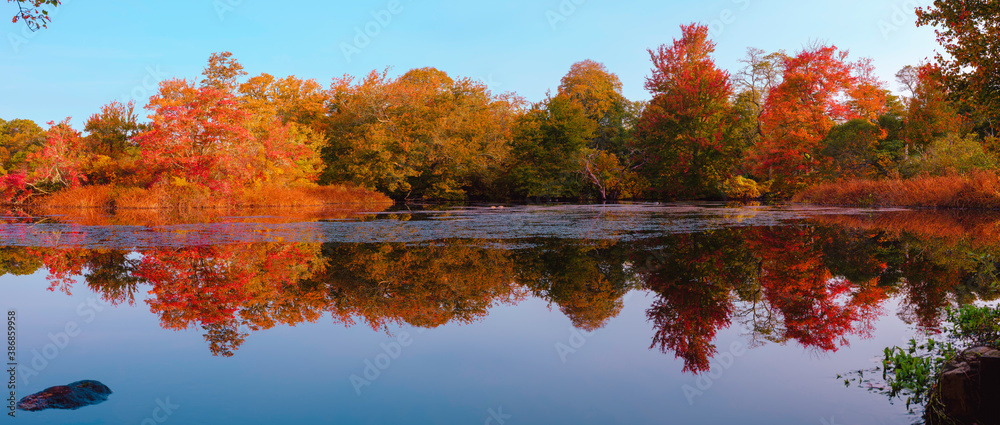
980	190
194	197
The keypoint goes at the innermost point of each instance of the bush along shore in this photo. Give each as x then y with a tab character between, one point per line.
979	190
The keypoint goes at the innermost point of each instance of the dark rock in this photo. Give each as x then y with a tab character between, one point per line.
73	396
967	389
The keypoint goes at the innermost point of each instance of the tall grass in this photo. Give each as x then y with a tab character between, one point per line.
194	197
980	190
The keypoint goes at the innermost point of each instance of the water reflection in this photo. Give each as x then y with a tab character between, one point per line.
813	283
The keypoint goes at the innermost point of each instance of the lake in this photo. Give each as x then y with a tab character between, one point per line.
526	314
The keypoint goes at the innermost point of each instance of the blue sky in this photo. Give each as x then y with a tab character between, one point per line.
97	51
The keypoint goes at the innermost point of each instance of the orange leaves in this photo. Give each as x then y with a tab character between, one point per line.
819	89
597	90
424	133
930	115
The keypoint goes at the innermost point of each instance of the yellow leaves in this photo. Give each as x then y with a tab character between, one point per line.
742	188
591	85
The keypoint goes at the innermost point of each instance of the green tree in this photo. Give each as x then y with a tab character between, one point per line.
860	149
548	147
608	163
18	139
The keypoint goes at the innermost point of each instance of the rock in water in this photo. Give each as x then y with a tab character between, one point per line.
968	389
72	396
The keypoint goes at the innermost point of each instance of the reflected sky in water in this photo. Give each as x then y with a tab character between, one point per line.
682	314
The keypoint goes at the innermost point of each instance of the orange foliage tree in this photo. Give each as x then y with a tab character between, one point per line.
819	88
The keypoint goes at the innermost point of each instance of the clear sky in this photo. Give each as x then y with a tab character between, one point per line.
97	51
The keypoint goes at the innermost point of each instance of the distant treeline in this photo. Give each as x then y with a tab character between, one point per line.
779	124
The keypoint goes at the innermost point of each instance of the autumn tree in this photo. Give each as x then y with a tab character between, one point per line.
599	91
423	134
223	72
221	134
930	115
112	130
685	130
970	69
609	161
111	148
819	88
760	74
60	161
18	138
282	118
197	135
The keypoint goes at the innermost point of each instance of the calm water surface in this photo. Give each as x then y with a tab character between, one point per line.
642	313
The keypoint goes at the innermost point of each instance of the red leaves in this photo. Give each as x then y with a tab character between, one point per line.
684	127
60	161
198	135
33	16
820	88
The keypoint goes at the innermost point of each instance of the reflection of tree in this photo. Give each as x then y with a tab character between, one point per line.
818	309
425	285
694	275
775	282
587	280
112	274
227	287
813	285
18	261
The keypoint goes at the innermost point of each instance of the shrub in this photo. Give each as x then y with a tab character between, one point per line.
950	155
743	188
